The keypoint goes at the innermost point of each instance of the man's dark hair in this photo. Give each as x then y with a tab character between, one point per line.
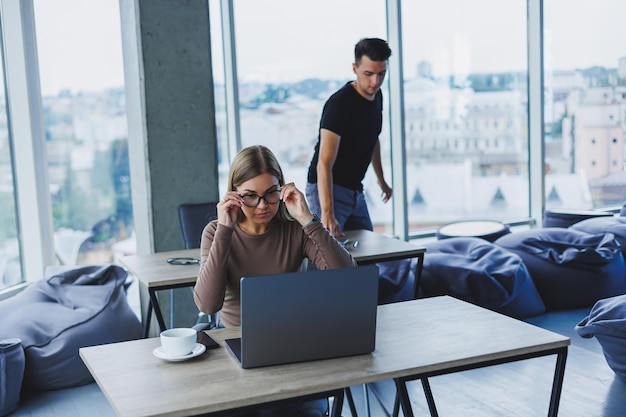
373	48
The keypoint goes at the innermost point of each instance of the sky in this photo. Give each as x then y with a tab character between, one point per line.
295	39
79	53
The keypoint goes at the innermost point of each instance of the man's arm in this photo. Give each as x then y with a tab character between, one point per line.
378	170
329	147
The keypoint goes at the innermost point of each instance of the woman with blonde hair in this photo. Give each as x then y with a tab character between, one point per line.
264	226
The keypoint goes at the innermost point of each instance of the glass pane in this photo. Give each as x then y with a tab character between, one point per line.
289	63
10	256
465	93
82	84
585	103
217	61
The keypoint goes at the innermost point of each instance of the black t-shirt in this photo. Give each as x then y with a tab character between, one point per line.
358	122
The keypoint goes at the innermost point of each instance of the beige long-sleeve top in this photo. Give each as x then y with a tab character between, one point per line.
227	254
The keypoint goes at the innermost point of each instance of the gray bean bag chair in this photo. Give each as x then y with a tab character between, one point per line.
570	268
55	317
607	322
475	270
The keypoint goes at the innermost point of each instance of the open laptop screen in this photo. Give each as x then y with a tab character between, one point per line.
308	315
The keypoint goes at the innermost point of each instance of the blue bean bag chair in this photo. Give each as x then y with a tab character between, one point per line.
55	317
11	375
614	224
570	268
396	280
475	270
607	322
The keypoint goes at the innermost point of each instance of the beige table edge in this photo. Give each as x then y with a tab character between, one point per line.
413	337
154	271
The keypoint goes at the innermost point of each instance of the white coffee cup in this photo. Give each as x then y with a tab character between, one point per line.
178	341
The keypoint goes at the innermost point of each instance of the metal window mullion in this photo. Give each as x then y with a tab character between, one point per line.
27	134
536	170
230	78
397	131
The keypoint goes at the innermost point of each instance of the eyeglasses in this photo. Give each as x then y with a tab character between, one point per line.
253	200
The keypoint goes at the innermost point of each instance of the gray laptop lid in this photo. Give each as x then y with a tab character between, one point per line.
309	315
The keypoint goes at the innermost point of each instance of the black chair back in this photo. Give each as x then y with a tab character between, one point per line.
193	218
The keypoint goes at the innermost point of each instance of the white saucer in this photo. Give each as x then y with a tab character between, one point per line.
159	352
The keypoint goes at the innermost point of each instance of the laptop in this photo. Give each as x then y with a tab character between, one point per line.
304	316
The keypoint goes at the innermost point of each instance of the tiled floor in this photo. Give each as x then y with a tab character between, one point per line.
84	401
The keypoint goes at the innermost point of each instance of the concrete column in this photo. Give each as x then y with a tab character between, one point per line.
171	122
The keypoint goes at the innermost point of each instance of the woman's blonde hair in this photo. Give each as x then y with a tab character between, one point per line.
251	162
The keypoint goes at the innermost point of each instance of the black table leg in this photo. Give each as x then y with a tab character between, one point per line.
157	309
403	397
337	405
429	398
557	384
418	275
146	328
350	398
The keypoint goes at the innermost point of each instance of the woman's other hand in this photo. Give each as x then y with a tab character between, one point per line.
296	204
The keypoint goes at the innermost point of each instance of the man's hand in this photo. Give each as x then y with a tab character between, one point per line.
332	225
386	191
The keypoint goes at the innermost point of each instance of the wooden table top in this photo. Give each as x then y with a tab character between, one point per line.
154	271
375	247
412	338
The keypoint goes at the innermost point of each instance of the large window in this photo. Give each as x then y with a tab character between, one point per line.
219	85
585	103
81	72
10	260
288	63
465	97
466	100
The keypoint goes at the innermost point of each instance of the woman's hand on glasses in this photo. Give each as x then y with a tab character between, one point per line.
228	208
296	204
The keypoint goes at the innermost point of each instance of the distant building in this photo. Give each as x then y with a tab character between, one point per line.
598	131
447	124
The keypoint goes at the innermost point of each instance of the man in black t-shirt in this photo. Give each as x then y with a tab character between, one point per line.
348	141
